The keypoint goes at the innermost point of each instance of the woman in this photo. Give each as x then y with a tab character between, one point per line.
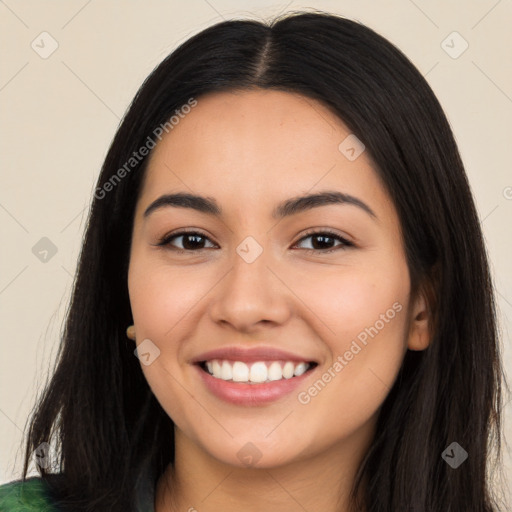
284	232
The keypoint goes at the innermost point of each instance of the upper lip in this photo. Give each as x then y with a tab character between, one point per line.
249	355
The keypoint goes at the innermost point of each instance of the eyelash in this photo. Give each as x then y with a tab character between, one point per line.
165	241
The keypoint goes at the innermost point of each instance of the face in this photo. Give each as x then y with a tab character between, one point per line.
301	309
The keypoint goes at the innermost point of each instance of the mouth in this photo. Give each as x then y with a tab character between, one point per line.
257	372
252	376
253	383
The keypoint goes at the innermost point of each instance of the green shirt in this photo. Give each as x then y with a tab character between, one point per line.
33	495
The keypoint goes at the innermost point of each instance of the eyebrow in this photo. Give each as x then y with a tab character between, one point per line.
287	208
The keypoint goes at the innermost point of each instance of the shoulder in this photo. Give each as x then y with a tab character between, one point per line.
26	496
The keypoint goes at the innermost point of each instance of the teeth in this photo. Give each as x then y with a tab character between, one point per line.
258	372
216	370
288	370
240	372
226	373
300	369
275	372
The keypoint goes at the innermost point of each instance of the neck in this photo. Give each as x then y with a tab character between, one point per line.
200	483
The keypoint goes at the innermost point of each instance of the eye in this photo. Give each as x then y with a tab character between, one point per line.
194	241
323	240
191	240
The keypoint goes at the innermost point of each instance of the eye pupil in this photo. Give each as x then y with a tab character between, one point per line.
193	245
323	244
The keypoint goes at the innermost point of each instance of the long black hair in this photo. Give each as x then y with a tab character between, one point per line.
98	407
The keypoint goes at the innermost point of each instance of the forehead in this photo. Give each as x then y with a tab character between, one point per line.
250	147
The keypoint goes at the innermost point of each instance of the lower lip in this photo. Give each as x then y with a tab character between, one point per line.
251	394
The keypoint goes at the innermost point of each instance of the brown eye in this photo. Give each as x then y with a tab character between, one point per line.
322	241
190	241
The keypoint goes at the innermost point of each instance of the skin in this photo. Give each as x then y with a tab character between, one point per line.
251	150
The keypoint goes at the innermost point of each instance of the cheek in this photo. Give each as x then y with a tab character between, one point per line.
161	297
367	320
160	300
354	301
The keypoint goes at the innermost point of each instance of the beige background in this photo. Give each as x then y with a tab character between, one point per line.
59	115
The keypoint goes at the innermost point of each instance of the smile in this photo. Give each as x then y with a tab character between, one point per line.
255	373
253	384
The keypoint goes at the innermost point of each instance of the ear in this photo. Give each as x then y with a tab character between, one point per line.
420	324
130	332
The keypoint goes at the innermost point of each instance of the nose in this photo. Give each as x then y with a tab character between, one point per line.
251	295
